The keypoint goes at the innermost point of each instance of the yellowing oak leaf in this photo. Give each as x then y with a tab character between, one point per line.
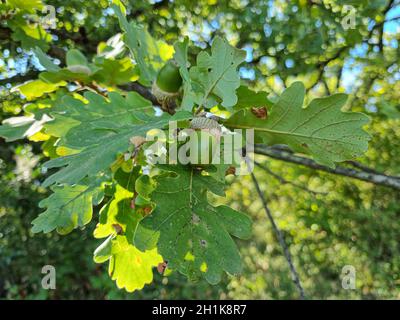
37	88
128	266
119	211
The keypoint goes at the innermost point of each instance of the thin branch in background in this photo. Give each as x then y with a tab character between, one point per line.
321	67
328	91
19	78
282	180
363	175
317	81
339	77
362	167
380	25
279	235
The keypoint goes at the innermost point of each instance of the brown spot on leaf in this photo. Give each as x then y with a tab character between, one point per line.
162	266
230	170
147	210
118	229
260	112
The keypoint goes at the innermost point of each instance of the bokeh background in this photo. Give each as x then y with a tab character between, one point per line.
347	222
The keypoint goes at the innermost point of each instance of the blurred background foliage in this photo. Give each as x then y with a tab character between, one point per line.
346	222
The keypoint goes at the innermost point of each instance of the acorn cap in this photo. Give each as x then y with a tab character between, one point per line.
206	124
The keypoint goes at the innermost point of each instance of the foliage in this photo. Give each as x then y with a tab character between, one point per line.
88	136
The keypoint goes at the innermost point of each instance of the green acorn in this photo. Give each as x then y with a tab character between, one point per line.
169	79
167	85
206	148
208	136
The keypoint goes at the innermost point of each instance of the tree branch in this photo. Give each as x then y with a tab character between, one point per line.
279	235
20	78
380	24
142	90
321	68
282	180
363	175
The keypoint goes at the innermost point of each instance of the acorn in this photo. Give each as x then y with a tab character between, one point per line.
169	78
208	136
167	85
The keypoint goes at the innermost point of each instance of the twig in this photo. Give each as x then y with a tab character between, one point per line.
20	78
362	167
279	235
321	66
142	90
375	178
284	181
328	91
339	77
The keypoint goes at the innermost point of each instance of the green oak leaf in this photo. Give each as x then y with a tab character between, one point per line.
21	127
144	186
248	98
193	236
68	207
321	129
181	58
115	71
128	266
78	63
104	130
99	118
78	74
104	251
30	37
75	57
150	54
26	5
216	75
78	68
45	60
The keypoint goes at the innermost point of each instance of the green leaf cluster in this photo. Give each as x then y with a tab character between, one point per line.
160	214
